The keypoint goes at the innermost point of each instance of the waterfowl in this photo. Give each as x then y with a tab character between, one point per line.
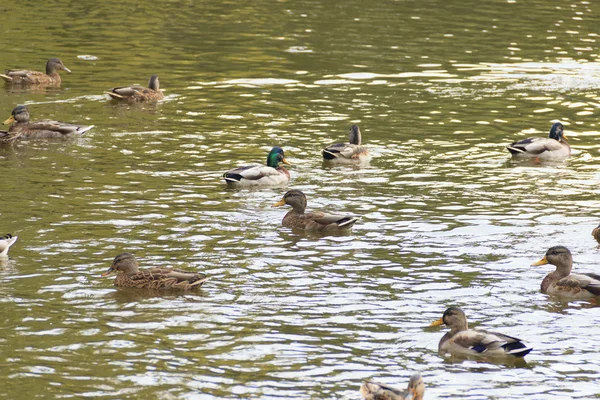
25	77
555	146
130	276
463	341
596	233
5	243
562	282
378	391
256	175
351	152
296	218
22	128
137	92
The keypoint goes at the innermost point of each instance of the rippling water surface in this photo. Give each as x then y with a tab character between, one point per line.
438	89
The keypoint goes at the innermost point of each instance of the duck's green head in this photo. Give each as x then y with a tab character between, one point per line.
275	157
557	132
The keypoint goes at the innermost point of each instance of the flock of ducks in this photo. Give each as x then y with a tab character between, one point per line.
459	340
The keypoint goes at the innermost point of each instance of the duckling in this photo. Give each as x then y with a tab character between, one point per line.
596	233
313	221
348	153
553	147
562	282
378	391
5	243
24	77
463	341
22	128
138	93
260	175
130	276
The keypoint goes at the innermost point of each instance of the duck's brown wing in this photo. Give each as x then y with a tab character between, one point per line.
165	278
589	282
326	219
379	391
26	76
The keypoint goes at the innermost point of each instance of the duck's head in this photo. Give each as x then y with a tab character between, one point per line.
416	386
454	318
18	114
559	256
294	198
275	157
354	136
124	262
557	132
53	65
153	83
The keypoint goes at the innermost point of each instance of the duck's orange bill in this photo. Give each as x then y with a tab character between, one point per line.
289	163
10	120
438	322
543	261
565	137
279	203
107	273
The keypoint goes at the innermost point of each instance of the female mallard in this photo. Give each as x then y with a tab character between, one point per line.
24	77
45	128
130	276
137	92
346	153
562	282
5	243
378	391
470	342
553	147
596	233
313	221
255	175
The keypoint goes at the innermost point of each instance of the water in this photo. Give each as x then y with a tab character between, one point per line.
438	89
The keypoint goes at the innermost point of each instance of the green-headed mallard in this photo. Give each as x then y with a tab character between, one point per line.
553	147
24	77
46	128
257	175
562	282
5	243
596	233
137	92
462	341
296	218
378	391
130	276
348	153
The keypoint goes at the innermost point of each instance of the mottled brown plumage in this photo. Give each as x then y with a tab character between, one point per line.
130	276
378	391
137	93
24	77
596	233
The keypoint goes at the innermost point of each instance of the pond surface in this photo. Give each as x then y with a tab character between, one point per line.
438	89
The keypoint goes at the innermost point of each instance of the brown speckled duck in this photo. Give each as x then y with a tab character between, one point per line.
562	282
378	391
596	234
25	77
138	93
130	276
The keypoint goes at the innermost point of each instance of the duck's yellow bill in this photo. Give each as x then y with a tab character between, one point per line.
10	120
438	322
565	137
107	273
289	163
543	261
279	203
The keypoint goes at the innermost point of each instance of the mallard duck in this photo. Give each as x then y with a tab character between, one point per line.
555	146
130	276
255	175
5	243
562	282
351	152
463	341
137	92
378	391
46	128
24	77
313	221
596	233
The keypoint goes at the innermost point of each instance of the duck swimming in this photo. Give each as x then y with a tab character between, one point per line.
137	93
348	153
25	77
378	391
260	175
553	147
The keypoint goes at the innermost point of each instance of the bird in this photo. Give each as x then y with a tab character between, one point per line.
462	341
5	243
553	147
260	175
562	282
22	128
25	77
596	233
138	93
378	391
296	218
130	276
348	153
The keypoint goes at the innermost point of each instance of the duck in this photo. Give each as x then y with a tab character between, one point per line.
378	391
562	282
5	243
25	77
596	233
260	175
553	147
129	275
138	93
462	341
296	218
22	128
348	153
